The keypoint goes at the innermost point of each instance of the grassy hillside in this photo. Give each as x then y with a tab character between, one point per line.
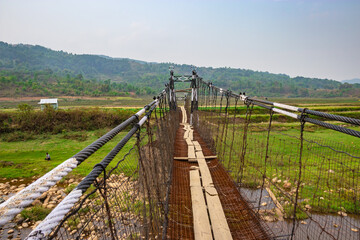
26	61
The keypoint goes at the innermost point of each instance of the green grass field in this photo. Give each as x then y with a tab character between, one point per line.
27	157
329	179
74	102
326	191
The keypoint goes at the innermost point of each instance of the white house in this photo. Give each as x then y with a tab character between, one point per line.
51	101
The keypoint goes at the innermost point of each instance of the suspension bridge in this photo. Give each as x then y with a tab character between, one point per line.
195	166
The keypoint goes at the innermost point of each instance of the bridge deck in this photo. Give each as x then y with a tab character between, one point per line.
241	220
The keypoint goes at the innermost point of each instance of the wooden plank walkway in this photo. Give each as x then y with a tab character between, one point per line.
214	213
203	196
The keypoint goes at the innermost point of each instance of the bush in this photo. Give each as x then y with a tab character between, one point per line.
17	136
58	121
76	136
35	213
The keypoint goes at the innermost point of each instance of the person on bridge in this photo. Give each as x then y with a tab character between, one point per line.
47	157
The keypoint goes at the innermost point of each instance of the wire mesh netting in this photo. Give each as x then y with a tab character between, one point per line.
303	184
129	199
276	177
242	221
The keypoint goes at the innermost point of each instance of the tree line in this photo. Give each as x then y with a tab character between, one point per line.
30	68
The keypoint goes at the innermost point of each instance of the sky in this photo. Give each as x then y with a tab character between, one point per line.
310	38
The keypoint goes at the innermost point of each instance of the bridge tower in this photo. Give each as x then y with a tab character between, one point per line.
194	84
194	91
171	91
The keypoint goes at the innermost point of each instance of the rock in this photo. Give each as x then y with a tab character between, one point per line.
50	206
71	180
354	229
303	222
36	202
43	196
269	219
10	231
58	197
18	218
19	189
264	204
343	214
47	200
25	225
36	224
287	185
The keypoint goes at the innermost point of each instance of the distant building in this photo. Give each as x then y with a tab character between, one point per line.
51	101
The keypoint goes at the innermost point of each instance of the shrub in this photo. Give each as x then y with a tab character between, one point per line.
76	136
58	121
17	136
35	213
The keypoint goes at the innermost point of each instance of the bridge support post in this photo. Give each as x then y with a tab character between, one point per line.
172	96
194	91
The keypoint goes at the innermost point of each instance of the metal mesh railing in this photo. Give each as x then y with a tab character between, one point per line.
128	197
302	183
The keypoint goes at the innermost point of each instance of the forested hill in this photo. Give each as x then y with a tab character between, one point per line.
59	73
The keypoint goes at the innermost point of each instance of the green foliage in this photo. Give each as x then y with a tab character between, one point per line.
70	188
51	84
25	108
58	121
17	136
76	136
38	71
28	156
35	213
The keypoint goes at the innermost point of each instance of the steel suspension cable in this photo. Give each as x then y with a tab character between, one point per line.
43	230
15	204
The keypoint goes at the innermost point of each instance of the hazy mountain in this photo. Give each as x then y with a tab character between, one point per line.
352	81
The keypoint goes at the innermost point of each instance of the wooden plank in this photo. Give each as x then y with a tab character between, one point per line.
199	154
189	142
219	224
186	158
191	135
184	117
205	173
197	146
202	229
191	152
279	209
186	134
